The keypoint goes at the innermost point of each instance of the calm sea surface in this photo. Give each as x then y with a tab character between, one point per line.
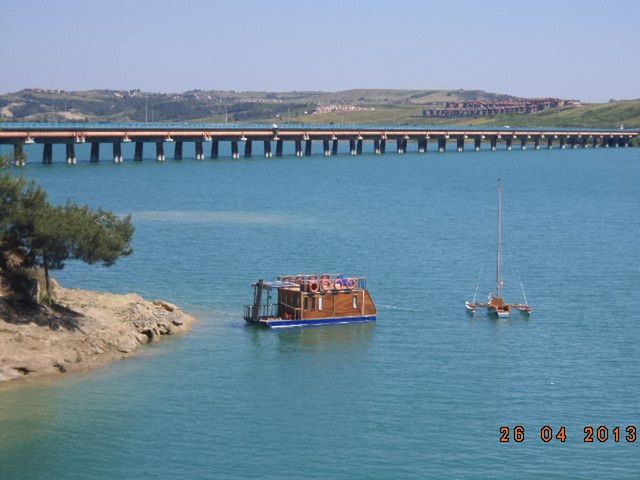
421	393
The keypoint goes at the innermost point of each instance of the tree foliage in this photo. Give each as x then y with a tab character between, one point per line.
46	236
4	161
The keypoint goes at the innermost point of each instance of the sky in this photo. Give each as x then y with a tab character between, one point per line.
580	49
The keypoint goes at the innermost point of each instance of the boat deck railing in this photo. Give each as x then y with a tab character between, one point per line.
266	311
299	279
272	310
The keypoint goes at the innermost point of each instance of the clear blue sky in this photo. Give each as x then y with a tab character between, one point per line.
578	49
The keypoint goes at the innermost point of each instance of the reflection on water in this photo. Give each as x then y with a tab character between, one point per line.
329	337
350	336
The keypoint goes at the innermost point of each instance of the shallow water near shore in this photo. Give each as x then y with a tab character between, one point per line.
421	393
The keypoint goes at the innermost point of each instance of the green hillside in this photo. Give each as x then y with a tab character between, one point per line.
610	114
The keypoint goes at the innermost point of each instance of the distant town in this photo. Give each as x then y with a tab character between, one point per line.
481	108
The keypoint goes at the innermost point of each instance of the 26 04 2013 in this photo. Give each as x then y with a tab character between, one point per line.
560	434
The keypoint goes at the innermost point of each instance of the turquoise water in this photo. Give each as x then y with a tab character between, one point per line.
420	394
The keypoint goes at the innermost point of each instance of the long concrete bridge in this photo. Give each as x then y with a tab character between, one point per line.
301	136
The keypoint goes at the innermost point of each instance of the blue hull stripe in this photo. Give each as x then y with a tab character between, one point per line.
316	322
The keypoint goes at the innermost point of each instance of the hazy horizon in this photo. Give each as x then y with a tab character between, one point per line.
519	48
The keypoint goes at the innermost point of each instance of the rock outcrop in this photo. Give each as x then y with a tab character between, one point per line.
81	330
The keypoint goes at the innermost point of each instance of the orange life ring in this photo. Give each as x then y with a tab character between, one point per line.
351	284
313	286
326	284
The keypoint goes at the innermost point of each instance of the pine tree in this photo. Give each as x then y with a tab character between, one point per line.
46	236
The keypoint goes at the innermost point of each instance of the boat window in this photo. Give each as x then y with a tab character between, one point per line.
355	301
306	303
320	302
313	303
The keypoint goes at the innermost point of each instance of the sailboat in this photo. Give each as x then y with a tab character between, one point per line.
496	304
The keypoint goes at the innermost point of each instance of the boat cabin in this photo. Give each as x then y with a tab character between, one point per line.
305	300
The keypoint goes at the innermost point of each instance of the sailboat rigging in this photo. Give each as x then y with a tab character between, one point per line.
496	304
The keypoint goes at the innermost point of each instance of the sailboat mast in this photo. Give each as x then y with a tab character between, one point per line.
499	242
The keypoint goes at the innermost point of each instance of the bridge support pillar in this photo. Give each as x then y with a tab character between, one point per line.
376	146
117	152
267	149
94	156
235	154
422	145
71	153
536	143
523	143
298	148
359	146
199	151
352	146
442	144
18	155
460	144
563	142
138	152
215	148
248	148
508	141
334	146
573	142
494	143
177	153
160	151
550	143
326	147
47	154
477	143
279	148
595	143
383	146
307	148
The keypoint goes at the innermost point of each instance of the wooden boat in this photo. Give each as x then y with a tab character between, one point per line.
310	300
496	304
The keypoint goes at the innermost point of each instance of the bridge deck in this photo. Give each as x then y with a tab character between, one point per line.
19	134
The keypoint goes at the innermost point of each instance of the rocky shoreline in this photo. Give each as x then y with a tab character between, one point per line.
82	330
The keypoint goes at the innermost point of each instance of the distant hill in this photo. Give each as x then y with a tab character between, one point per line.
348	106
134	105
